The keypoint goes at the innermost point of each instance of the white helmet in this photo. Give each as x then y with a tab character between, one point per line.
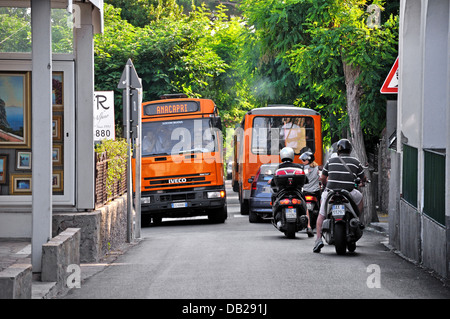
287	154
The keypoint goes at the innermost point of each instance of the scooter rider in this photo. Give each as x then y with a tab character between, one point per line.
336	177
287	160
313	185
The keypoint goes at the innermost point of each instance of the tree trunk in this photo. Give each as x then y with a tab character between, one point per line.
354	92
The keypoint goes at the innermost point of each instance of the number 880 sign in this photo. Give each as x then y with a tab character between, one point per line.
104	115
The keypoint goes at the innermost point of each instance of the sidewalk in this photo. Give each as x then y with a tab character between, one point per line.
382	226
18	251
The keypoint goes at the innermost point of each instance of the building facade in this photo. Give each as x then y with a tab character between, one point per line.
46	114
419	213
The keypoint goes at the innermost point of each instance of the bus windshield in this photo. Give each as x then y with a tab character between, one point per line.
270	134
177	137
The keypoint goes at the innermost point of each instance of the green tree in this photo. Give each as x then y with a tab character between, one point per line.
200	54
321	54
276	26
171	54
345	61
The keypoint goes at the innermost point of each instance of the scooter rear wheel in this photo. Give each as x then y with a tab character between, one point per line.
340	240
290	230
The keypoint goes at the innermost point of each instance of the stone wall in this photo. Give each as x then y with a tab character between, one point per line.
102	230
58	253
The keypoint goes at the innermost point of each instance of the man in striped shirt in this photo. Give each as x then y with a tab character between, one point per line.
336	177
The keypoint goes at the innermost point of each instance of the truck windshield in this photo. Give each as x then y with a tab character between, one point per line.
270	134
177	137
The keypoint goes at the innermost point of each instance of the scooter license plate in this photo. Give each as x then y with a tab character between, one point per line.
338	210
291	213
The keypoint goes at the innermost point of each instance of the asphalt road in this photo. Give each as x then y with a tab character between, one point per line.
194	259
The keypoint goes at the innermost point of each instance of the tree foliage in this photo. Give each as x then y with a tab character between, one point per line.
288	51
296	56
197	54
339	36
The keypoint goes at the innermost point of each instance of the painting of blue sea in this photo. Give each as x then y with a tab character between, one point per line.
12	107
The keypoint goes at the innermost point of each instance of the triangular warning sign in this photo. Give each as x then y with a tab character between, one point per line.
390	85
133	78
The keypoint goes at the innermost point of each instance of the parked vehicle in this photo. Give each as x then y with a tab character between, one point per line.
289	208
342	227
261	193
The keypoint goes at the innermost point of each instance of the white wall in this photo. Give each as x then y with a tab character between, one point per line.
435	75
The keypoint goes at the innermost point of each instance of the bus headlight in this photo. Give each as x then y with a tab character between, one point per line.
217	194
145	200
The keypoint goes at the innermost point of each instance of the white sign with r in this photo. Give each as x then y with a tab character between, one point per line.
104	125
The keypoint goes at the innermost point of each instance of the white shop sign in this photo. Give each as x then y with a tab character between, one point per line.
104	125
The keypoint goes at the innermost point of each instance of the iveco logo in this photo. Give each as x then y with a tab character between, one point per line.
177	180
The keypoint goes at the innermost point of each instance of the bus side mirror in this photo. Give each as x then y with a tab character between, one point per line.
217	122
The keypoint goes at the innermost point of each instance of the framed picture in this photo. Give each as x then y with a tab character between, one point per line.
23	160
57	128
20	184
15	110
57	91
3	168
57	180
57	154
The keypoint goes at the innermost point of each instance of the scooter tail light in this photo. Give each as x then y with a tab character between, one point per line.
309	198
296	201
285	201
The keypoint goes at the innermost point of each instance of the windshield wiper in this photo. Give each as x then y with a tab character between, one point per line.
158	154
193	150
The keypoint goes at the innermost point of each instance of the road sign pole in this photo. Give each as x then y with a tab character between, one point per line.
130	80
136	107
129	170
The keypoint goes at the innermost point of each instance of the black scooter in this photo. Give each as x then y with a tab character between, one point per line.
342	227
288	205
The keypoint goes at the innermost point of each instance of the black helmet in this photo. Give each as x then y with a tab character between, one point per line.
307	156
287	154
344	146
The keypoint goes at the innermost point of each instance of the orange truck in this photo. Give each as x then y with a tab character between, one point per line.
261	135
182	172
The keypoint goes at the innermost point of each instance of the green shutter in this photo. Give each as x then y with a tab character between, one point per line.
409	179
434	186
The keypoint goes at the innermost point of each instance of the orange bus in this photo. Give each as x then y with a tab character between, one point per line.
261	135
182	171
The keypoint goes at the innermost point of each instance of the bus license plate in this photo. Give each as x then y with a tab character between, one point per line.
179	205
338	210
291	213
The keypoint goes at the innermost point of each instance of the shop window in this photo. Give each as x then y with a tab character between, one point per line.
16	154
